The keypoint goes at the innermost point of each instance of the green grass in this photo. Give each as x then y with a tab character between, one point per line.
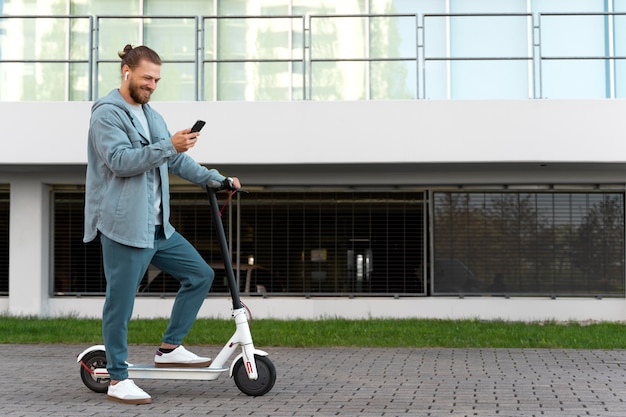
335	332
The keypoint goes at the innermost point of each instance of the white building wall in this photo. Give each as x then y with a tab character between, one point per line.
418	131
28	247
416	142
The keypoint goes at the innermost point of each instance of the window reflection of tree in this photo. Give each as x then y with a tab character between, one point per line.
534	243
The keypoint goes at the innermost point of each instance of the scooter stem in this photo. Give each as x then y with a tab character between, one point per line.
242	336
219	227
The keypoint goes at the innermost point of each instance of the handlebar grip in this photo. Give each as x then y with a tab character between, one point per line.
214	184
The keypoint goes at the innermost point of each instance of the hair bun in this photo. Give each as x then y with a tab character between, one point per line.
127	49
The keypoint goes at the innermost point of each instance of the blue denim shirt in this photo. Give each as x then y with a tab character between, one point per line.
121	162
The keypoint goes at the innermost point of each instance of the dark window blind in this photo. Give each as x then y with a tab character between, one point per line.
290	243
542	243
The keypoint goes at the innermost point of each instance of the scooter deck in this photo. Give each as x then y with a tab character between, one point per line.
149	371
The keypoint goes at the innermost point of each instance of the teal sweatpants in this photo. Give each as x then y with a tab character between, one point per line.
125	266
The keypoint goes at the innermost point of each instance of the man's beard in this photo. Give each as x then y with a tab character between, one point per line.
139	94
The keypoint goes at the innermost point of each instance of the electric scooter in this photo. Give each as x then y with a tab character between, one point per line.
253	372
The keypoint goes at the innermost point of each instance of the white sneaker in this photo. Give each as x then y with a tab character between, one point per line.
180	357
127	392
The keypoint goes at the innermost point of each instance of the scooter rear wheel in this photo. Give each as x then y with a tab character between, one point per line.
94	360
265	381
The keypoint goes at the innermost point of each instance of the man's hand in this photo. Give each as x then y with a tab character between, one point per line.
236	183
183	140
232	183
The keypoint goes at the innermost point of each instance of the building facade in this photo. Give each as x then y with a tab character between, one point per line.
446	159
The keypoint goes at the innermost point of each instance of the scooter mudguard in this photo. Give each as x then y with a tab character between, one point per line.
256	352
89	350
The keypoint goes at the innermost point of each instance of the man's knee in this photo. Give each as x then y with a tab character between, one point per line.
208	275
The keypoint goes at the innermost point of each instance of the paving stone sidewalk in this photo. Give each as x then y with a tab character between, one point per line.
44	380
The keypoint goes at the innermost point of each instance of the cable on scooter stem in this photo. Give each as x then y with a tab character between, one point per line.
212	188
230	195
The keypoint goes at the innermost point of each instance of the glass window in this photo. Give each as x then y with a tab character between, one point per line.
478	56
77	266
62	68
361	58
20	7
291	243
407	6
106	8
553	244
179	8
174	39
564	37
569	6
256	52
4	239
267	67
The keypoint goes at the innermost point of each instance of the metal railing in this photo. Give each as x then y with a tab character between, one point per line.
432	43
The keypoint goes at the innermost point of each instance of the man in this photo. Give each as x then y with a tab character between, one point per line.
130	152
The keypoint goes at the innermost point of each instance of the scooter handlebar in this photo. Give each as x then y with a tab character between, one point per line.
223	185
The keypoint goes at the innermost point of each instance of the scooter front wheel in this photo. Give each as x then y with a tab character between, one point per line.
90	362
265	381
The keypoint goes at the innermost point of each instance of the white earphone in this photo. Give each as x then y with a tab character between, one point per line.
126	75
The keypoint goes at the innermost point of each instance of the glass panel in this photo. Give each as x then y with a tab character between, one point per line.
253	81
487	6
291	243
451	238
178	82
30	38
338	242
338	80
109	7
491	79
407	6
573	36
574	79
329	7
529	243
109	77
620	79
393	37
44	39
619	37
393	80
208	73
236	7
45	82
477	36
114	34
77	266
33	7
489	36
484	39
79	82
179	8
619	25
265	38
338	38
5	204
569	6
278	41
172	39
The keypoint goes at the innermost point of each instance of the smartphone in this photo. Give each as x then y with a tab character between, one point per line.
197	126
